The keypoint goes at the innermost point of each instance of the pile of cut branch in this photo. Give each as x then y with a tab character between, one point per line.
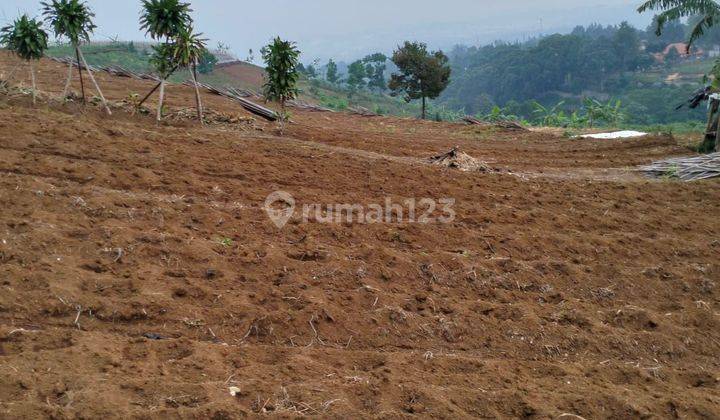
507	125
455	159
685	168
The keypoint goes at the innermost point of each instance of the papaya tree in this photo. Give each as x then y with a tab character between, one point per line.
164	20
188	49
281	58
163	61
73	19
28	40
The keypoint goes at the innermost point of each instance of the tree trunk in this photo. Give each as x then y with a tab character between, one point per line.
282	117
156	87
92	78
160	102
197	94
423	108
82	83
34	86
717	135
711	129
67	82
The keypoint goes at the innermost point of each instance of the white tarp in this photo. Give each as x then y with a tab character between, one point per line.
615	135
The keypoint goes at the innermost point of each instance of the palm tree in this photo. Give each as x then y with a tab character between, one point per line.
187	51
72	19
26	38
282	59
164	20
707	10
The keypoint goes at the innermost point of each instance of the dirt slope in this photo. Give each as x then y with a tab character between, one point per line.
141	277
243	75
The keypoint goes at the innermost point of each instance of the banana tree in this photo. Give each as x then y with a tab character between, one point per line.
29	41
72	19
164	20
187	51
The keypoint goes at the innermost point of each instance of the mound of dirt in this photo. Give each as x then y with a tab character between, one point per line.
455	159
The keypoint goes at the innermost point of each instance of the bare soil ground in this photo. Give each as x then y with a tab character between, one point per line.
141	278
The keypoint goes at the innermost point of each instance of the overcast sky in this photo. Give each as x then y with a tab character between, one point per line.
349	29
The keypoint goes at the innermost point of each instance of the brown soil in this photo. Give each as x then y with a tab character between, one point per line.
141	277
245	75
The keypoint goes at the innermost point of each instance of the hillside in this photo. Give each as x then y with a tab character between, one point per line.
135	56
141	275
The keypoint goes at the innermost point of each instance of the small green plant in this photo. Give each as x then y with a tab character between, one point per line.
28	40
72	19
225	242
281	58
188	50
164	20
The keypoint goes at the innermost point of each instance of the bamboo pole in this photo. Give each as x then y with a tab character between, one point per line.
79	66
12	73
197	95
69	79
156	87
160	102
34	86
92	78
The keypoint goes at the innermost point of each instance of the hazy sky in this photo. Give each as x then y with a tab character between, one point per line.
350	29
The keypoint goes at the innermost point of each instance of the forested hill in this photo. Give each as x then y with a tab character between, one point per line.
618	62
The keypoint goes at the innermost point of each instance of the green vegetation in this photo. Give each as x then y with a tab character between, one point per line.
282	75
188	50
125	54
422	74
170	20
72	19
26	38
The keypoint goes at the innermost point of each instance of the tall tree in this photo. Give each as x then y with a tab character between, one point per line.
375	70
356	75
423	74
72	19
331	73
188	49
627	46
28	40
164	20
281	58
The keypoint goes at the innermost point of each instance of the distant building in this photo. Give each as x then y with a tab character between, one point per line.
681	49
714	52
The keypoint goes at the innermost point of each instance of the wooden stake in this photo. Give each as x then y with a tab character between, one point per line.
32	77
12	73
79	66
69	79
92	78
160	102
197	95
156	87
